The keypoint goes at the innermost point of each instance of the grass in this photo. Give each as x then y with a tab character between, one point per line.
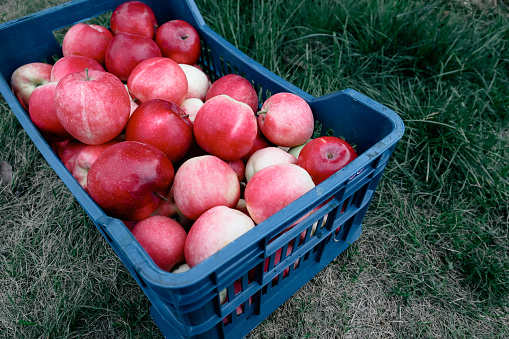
433	259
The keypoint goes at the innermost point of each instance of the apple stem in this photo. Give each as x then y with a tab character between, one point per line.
185	115
184	37
160	196
260	112
86	72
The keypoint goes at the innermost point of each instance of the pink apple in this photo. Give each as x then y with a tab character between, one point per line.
26	78
58	146
225	127
179	41
129	179
162	124
266	157
125	51
93	106
197	81
158	78
273	188
163	239
324	156
238	167
87	40
259	143
236	87
134	17
286	120
43	113
85	158
191	106
169	208
204	182
69	153
71	64
212	231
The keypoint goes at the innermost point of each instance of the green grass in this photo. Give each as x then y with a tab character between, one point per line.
433	259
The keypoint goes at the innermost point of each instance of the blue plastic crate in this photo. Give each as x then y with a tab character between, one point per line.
188	304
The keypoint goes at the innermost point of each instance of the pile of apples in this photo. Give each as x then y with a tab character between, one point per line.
187	164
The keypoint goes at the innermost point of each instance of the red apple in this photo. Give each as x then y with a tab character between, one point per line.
179	41
238	167
93	106
273	188
197	81
58	147
225	127
236	87
266	157
129	224
158	78
87	40
85	158
213	230
191	106
43	113
71	64
286	120
129	179
163	239
324	156
125	51
134	17
204	182
259	143
162	124
26	78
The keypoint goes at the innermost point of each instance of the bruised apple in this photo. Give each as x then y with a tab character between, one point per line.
130	179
